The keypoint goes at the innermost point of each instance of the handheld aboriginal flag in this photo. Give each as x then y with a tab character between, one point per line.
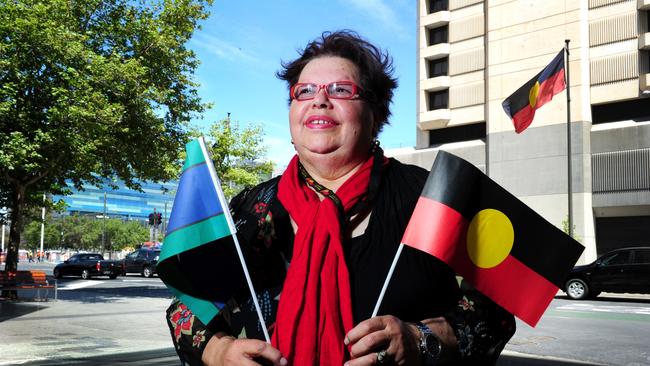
497	243
522	104
198	261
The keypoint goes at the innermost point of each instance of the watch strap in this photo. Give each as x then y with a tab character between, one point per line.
427	335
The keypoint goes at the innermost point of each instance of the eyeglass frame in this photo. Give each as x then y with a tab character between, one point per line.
356	90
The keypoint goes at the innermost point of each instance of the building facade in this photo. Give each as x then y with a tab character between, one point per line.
122	202
473	54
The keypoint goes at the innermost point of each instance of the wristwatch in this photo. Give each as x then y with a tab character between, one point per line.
430	346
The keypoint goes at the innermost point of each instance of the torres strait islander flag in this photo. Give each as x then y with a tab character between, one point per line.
198	260
497	243
522	104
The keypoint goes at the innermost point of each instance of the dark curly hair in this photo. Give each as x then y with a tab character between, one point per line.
375	69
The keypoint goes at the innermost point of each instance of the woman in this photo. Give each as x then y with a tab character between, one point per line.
323	236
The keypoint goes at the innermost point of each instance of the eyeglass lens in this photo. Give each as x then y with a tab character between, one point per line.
340	90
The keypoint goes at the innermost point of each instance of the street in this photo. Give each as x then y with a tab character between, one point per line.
106	322
610	330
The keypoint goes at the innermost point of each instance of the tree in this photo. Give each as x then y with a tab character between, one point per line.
125	234
565	228
84	233
238	155
89	90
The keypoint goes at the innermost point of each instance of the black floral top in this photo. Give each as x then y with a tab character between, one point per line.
422	287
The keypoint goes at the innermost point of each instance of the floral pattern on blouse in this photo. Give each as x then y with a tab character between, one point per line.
466	304
482	327
182	320
198	338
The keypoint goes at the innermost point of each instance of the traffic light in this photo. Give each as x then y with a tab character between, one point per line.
158	218
151	219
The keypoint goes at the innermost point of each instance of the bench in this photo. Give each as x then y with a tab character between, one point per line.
26	280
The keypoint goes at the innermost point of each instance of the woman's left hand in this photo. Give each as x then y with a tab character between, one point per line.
399	339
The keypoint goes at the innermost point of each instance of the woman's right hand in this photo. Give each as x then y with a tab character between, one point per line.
227	350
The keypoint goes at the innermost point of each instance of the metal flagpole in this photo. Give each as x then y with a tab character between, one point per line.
568	134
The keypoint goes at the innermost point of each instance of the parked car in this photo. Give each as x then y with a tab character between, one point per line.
141	261
621	270
88	265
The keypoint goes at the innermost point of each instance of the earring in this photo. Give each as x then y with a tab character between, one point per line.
374	144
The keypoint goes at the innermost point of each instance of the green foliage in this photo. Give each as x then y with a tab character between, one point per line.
92	89
84	233
565	228
125	234
238	155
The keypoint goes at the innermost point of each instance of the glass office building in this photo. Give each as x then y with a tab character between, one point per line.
122	202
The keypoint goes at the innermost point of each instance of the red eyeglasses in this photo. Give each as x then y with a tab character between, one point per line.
335	90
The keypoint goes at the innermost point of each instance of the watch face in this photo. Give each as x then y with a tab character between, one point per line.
432	345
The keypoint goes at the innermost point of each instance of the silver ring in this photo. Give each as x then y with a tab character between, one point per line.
382	357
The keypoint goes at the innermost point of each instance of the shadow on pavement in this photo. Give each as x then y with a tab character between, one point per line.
106	294
159	357
10	309
167	357
610	298
515	360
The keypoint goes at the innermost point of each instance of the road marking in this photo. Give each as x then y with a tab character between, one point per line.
606	309
78	285
129	280
548	359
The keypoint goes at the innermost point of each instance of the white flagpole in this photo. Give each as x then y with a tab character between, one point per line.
388	277
233	231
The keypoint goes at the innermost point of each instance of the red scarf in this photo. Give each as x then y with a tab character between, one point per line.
315	309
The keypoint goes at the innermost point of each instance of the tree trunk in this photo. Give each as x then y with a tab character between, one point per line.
18	205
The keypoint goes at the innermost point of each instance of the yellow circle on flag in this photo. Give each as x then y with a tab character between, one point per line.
490	237
532	95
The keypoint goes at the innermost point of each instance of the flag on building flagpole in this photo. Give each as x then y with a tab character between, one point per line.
198	260
497	243
522	104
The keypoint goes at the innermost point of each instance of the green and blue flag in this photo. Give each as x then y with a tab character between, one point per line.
198	261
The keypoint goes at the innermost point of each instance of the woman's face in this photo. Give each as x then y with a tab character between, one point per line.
340	128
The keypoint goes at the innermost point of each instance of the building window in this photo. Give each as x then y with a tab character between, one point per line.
438	99
475	131
635	109
438	5
437	67
437	35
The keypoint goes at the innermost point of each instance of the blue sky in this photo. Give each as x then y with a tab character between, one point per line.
243	42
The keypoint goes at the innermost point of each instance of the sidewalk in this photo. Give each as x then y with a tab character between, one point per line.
110	330
115	332
107	332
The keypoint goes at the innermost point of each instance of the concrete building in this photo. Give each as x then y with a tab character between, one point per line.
473	54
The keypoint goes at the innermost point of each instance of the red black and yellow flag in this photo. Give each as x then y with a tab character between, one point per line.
522	104
497	243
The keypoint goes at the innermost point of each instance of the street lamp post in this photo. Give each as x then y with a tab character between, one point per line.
164	220
40	254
